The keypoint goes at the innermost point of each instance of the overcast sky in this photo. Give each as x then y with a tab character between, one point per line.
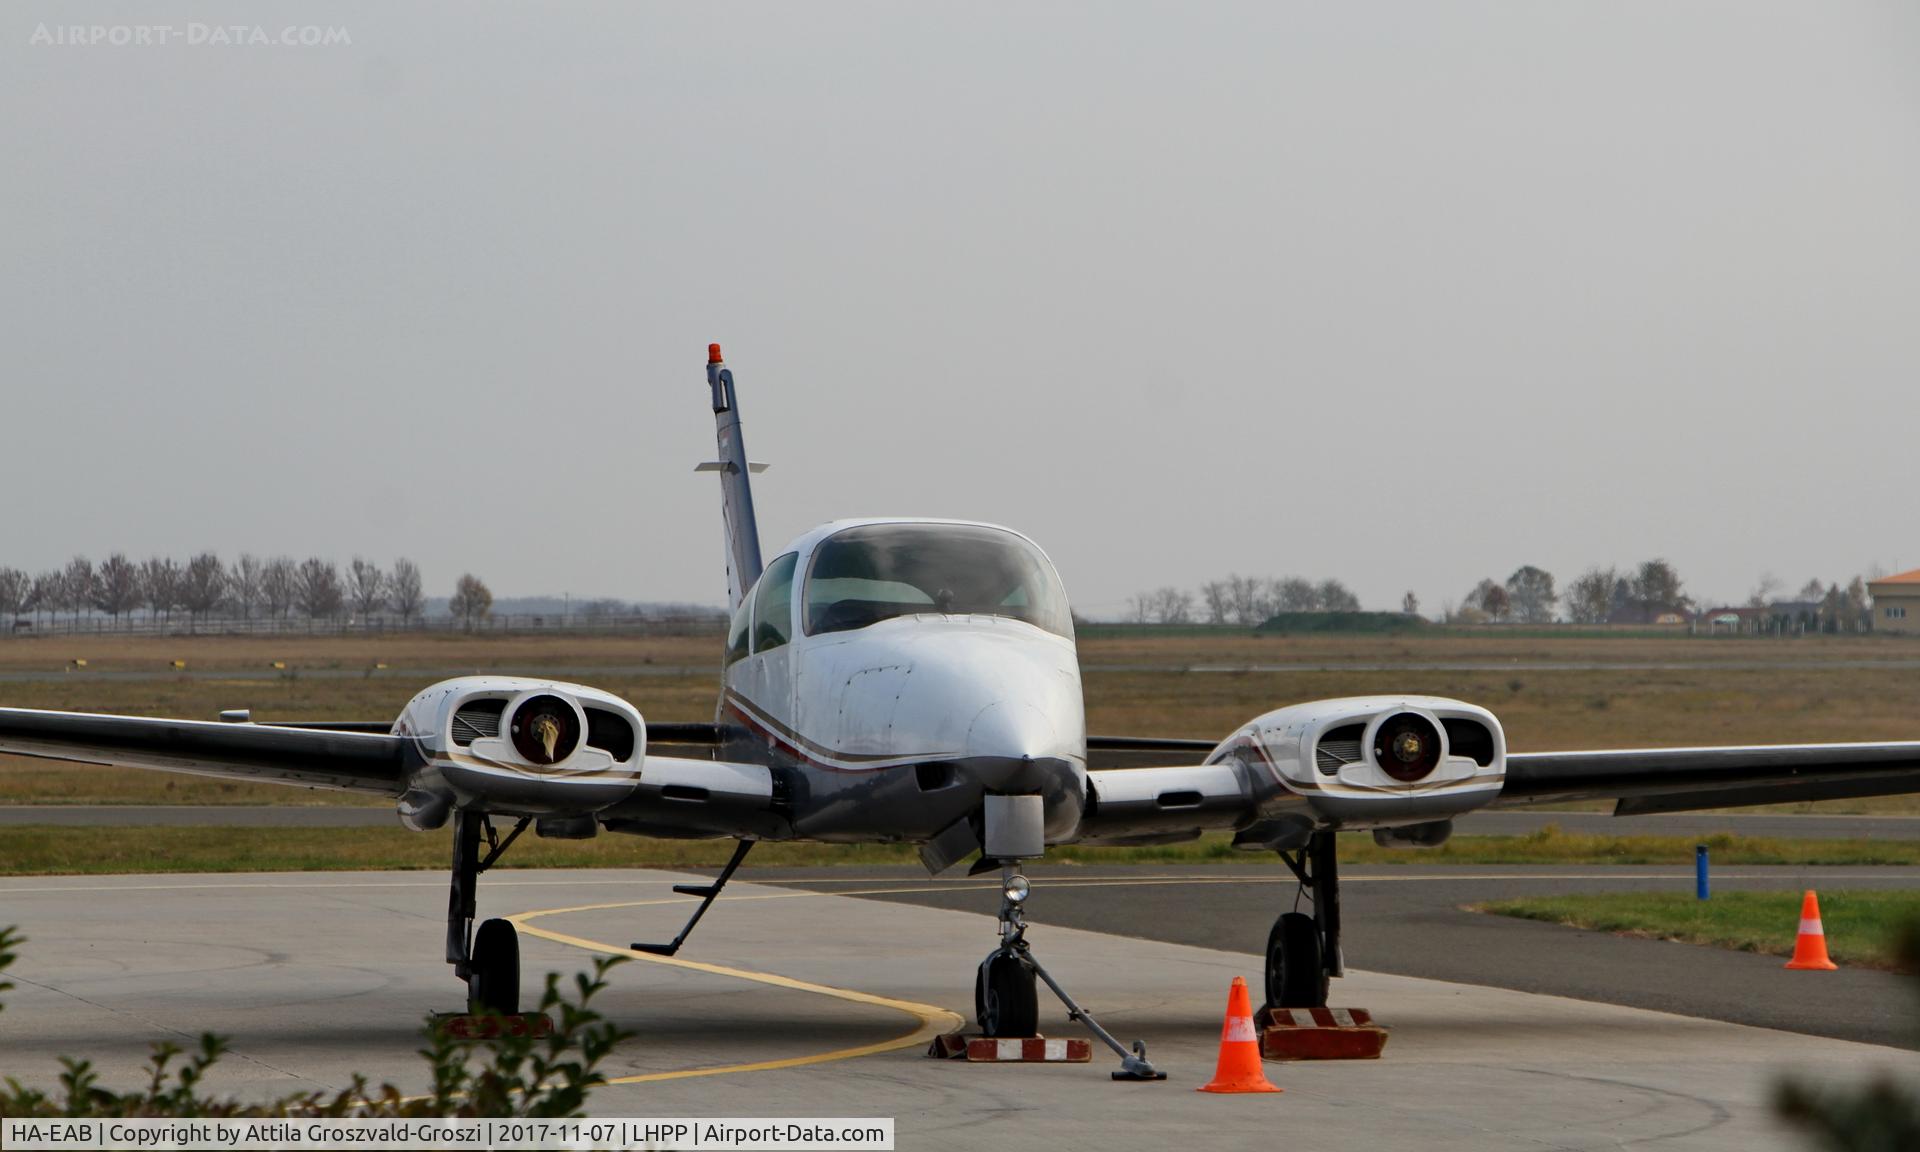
1407	294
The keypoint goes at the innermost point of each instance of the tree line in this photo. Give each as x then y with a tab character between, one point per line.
1643	594
1245	600
1640	594
251	587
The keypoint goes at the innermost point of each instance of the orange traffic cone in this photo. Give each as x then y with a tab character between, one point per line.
1239	1068
1810	948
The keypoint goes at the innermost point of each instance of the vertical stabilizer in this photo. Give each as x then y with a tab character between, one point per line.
736	492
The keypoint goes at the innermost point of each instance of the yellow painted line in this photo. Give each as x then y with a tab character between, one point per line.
931	1020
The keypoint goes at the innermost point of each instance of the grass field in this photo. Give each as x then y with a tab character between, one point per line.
46	850
1136	683
1862	927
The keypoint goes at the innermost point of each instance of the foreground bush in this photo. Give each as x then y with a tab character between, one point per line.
1882	1115
549	1076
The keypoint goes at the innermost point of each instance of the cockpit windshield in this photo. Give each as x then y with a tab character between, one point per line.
864	575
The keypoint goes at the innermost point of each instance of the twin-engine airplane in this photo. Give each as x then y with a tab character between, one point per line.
902	680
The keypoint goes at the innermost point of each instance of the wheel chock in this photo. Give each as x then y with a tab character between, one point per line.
488	1027
1319	1034
1030	1050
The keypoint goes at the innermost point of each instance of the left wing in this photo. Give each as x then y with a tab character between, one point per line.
1251	789
345	757
1689	779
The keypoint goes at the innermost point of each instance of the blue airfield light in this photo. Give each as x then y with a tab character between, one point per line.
1700	887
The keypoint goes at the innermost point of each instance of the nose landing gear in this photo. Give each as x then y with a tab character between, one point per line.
1006	1000
1303	951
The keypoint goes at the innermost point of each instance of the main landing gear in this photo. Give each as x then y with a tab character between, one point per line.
488	960
1303	951
1005	999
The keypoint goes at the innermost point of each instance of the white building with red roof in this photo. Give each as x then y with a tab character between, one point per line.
1896	602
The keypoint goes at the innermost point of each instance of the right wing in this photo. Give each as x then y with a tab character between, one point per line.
345	757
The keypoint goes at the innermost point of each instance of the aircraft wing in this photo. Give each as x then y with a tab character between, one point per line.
1143	793
345	756
1689	779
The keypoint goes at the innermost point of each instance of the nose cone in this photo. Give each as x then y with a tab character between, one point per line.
1012	728
1014	747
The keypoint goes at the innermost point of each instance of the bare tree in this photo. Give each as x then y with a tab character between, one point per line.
1491	599
1832	609
471	600
603	608
14	585
1854	609
1764	591
1171	605
279	585
1657	587
1590	596
243	585
202	586
1218	603
160	582
367	586
116	587
43	594
317	589
1245	602
1530	591
1292	594
403	590
76	586
1139	608
1812	590
1335	597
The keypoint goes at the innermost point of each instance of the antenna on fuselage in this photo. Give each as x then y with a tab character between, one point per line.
736	492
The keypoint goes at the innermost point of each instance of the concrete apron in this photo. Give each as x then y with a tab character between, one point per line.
790	1002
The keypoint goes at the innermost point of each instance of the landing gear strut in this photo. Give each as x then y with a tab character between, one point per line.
488	960
1007	1003
1303	951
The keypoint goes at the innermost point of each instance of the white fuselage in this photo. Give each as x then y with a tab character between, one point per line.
895	728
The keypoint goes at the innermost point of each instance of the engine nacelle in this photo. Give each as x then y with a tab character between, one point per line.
519	746
1371	762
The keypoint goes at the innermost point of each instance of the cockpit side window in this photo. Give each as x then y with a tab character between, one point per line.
874	572
737	631
773	605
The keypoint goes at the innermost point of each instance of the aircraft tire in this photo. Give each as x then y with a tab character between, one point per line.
1004	997
1296	973
494	985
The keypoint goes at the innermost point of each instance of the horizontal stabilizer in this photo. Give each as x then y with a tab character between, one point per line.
753	466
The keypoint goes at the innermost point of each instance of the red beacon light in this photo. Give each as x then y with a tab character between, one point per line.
713	354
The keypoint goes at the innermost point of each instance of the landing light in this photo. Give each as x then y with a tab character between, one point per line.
1018	890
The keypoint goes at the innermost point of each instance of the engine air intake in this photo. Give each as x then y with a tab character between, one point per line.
610	732
1469	738
545	729
1339	747
1407	747
479	720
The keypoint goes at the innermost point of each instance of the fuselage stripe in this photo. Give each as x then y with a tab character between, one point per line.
801	748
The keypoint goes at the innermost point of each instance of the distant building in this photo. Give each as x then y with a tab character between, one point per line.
1791	616
1737	619
1896	602
1649	616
